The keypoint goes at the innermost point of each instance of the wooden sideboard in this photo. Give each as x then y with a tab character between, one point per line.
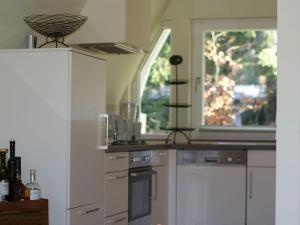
24	213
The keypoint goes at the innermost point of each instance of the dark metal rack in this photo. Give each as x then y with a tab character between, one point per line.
176	60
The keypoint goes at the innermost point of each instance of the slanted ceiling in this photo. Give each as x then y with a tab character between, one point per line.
157	9
13	30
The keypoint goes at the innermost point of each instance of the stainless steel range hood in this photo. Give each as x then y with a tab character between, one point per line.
112	48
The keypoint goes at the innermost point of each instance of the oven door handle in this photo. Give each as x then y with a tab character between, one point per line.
154	196
139	174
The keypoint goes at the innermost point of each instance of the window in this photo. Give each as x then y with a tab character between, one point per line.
154	92
237	61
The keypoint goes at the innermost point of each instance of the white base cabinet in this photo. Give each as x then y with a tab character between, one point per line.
87	215
261	188
120	219
116	188
159	209
116	193
160	188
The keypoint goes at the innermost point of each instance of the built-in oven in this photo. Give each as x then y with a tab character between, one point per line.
141	180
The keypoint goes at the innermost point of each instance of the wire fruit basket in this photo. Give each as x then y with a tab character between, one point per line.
55	27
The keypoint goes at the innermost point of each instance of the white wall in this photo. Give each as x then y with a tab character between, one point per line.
288	114
120	71
13	30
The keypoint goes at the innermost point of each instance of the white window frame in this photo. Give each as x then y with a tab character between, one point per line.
144	74
158	43
199	27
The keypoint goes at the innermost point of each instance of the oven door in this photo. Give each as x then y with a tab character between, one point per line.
140	195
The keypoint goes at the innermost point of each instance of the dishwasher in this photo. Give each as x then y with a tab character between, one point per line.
211	187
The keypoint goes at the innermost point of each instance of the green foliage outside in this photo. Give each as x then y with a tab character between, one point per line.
240	58
156	93
232	58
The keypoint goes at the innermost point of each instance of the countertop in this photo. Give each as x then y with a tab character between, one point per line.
199	145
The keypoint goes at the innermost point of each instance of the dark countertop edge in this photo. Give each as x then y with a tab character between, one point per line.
212	145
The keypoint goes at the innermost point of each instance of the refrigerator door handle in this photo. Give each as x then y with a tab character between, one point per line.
102	133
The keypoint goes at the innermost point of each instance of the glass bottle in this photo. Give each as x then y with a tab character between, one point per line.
19	187
32	189
11	170
4	186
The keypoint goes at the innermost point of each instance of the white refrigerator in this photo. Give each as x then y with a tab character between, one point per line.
50	100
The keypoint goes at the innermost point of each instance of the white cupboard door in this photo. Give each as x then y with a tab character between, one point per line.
86	215
116	193
87	102
261	196
159	208
211	195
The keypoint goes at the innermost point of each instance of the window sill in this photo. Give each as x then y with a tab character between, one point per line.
220	133
235	134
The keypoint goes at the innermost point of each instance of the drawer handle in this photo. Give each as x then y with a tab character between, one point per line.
88	211
117	220
163	154
117	177
117	157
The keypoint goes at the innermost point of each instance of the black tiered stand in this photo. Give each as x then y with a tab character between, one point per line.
176	60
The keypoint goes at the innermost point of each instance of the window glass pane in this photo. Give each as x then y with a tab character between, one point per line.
156	93
240	78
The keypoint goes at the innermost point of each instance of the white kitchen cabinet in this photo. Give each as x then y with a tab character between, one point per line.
87	215
50	99
116	161
261	188
120	219
211	195
115	21
116	188
160	190
116	193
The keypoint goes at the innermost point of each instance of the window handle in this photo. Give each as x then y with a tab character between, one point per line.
197	84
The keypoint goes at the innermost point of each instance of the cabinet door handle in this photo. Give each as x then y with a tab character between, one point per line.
163	154
251	185
117	177
117	220
116	157
88	211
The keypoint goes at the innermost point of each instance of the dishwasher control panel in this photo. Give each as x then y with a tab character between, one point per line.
211	157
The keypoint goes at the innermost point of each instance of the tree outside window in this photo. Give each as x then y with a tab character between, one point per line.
240	78
156	93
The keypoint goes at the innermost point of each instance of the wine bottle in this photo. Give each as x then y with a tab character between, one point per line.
4	189
32	189
11	170
18	185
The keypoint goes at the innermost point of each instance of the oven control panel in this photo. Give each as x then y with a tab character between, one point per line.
140	159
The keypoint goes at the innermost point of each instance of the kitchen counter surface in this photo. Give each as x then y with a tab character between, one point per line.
199	145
